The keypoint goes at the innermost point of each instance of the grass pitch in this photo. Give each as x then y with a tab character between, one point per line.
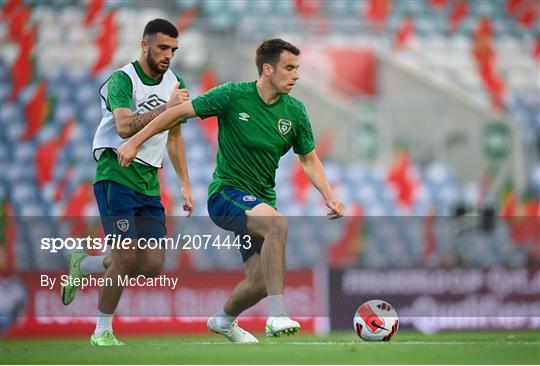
500	347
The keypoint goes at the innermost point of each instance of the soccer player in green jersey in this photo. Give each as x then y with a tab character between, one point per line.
128	198
258	123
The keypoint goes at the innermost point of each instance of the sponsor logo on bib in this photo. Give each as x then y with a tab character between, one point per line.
153	101
249	198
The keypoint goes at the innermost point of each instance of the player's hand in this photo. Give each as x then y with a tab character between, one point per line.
178	96
189	199
337	208
126	153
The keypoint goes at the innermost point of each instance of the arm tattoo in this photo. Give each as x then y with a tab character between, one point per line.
139	121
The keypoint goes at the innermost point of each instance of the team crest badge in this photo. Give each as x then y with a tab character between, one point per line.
123	224
284	126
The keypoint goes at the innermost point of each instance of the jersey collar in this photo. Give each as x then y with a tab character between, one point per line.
254	86
147	80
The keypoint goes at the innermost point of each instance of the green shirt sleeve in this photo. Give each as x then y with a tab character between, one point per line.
304	142
120	90
213	102
182	83
182	86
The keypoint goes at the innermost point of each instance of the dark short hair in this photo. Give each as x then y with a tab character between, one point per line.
160	26
270	50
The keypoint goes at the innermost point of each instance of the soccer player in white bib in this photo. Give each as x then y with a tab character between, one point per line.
129	198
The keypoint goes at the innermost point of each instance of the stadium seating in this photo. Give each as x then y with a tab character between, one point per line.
65	52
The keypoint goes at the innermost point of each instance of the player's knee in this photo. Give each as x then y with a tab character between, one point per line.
125	263
152	268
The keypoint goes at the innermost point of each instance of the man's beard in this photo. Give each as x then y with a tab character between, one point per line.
153	64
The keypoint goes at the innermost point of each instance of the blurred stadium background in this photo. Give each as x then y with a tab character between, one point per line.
427	115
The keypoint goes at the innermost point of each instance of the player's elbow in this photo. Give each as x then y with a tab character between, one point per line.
123	131
124	134
123	123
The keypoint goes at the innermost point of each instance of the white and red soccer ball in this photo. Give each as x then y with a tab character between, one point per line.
376	320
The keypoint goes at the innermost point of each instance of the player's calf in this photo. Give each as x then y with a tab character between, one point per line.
149	262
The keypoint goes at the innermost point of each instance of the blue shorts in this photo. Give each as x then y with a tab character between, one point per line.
129	213
227	209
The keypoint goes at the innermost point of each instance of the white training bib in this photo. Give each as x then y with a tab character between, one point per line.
145	98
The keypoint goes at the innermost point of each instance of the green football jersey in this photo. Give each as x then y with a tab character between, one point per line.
253	136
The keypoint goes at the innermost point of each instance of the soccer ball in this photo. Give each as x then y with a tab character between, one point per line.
376	320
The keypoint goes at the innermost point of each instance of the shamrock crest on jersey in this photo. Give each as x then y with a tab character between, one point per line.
284	126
